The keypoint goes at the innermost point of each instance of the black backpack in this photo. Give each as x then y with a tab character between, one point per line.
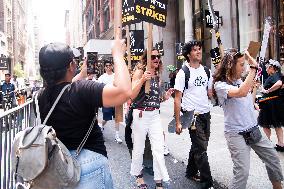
187	74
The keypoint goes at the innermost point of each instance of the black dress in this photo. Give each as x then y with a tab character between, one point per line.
272	110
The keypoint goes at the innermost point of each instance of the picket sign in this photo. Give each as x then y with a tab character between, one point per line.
267	28
220	49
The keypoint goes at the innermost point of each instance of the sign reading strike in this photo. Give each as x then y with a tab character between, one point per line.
128	10
152	11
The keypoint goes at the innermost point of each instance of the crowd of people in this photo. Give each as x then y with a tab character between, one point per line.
193	88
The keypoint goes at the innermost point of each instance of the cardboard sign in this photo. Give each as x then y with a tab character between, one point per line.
128	10
253	48
154	12
215	55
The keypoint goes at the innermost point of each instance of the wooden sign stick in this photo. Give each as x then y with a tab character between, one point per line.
149	53
117	34
128	48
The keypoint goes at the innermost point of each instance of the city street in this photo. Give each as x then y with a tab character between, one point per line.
219	157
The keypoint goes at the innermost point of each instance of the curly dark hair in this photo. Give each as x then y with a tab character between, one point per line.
187	47
226	70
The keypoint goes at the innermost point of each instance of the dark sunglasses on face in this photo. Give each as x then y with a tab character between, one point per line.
153	57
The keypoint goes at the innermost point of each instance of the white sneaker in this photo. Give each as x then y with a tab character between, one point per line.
118	140
166	150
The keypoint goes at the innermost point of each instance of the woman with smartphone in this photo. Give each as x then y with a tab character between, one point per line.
76	108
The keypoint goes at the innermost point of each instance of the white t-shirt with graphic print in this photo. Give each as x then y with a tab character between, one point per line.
195	97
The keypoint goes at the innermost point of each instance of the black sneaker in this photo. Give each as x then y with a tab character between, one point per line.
279	148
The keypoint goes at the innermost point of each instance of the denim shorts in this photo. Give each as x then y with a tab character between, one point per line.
95	171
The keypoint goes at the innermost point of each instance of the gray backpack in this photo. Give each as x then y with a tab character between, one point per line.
41	159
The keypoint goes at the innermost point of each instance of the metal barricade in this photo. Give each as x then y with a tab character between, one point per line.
11	122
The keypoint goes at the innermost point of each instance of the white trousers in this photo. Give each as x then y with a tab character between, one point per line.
150	123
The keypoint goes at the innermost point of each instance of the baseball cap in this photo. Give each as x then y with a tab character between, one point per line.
55	56
274	63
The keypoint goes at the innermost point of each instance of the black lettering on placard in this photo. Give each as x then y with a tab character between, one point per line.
153	11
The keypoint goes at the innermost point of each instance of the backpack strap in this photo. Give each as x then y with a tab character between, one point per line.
55	103
187	75
207	72
51	110
38	119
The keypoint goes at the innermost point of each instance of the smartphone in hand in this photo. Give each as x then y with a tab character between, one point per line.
92	60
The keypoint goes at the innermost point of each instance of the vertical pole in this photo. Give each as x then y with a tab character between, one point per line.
117	35
149	53
128	48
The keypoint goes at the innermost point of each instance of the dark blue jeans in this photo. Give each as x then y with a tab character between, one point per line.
198	159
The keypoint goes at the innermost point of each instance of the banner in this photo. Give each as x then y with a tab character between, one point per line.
128	10
152	11
3	63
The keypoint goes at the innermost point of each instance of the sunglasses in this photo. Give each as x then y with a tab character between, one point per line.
238	54
153	57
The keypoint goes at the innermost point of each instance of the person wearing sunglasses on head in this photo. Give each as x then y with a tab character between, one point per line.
147	120
241	129
193	88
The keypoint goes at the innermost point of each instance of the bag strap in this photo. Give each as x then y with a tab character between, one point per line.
187	75
55	103
86	136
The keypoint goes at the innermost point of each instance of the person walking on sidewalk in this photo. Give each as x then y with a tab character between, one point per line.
241	130
271	111
195	98
109	113
147	120
76	108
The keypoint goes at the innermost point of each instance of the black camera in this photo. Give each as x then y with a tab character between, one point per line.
92	60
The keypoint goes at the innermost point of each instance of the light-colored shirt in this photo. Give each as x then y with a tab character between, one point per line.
196	96
239	113
106	79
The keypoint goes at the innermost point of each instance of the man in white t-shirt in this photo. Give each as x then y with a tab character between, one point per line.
109	113
193	96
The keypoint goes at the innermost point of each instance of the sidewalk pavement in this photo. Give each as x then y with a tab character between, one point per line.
218	153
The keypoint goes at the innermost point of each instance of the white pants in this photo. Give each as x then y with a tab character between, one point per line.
150	123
